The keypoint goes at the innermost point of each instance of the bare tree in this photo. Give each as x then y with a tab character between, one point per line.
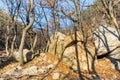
13	8
109	8
76	25
7	39
30	9
18	3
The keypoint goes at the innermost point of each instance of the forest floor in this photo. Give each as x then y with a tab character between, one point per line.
103	70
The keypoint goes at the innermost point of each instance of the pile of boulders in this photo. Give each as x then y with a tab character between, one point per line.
65	48
105	42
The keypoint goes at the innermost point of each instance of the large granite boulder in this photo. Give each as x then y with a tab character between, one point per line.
85	57
107	43
64	47
59	42
55	40
106	40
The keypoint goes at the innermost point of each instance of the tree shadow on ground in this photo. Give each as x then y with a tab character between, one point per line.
6	61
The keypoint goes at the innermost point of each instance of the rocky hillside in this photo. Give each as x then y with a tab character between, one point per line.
96	62
49	67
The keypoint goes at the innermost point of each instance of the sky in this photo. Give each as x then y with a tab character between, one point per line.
3	7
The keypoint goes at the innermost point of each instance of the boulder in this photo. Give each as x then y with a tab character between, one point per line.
70	40
85	58
106	39
59	42
55	40
64	47
27	55
107	43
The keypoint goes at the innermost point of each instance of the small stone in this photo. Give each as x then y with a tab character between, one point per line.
56	76
50	66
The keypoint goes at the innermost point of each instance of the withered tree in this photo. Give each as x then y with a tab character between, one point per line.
30	17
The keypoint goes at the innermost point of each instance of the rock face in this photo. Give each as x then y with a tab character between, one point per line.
64	47
107	42
55	40
85	59
106	39
27	55
59	42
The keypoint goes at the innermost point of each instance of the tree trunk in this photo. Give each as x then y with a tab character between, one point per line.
7	39
13	42
14	38
34	43
76	25
110	12
21	47
29	25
